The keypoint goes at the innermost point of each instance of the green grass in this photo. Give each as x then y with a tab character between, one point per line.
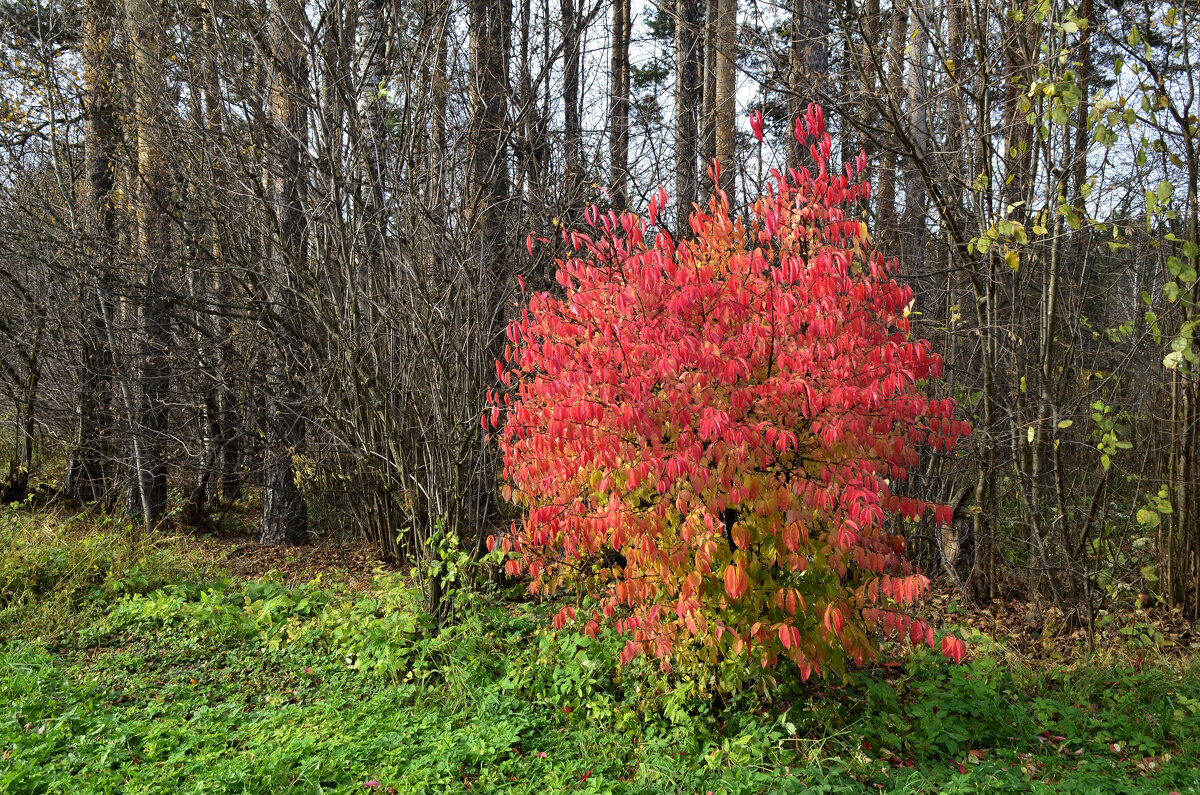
213	686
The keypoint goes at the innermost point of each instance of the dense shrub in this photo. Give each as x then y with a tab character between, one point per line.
704	433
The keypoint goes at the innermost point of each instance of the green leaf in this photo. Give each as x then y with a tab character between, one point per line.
1152	321
1065	423
1148	518
1165	189
1068	212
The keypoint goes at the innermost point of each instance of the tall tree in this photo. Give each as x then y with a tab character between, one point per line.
89	457
284	512
227	418
152	189
487	211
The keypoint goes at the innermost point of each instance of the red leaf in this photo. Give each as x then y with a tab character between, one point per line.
756	124
954	648
736	580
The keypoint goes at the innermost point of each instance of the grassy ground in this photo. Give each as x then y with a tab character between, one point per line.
135	667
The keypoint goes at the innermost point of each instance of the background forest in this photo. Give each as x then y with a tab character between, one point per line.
273	246
257	262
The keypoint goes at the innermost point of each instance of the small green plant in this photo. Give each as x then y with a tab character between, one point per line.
1155	509
1112	432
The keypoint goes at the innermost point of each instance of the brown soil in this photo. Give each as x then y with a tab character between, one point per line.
351	563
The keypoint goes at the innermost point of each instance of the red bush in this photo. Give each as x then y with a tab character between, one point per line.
703	433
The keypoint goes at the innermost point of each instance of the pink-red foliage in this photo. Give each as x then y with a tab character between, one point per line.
704	433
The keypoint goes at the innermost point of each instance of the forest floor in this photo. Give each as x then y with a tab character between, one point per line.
218	665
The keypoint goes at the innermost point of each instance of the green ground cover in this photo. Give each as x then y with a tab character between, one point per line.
129	667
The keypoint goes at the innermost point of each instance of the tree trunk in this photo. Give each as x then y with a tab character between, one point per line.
86	478
25	385
572	132
377	46
708	129
618	122
687	100
725	93
438	145
226	420
897	41
487	215
871	56
153	191
916	204
808	67
284	514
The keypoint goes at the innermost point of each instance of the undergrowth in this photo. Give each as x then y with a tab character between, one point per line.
181	681
58	569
